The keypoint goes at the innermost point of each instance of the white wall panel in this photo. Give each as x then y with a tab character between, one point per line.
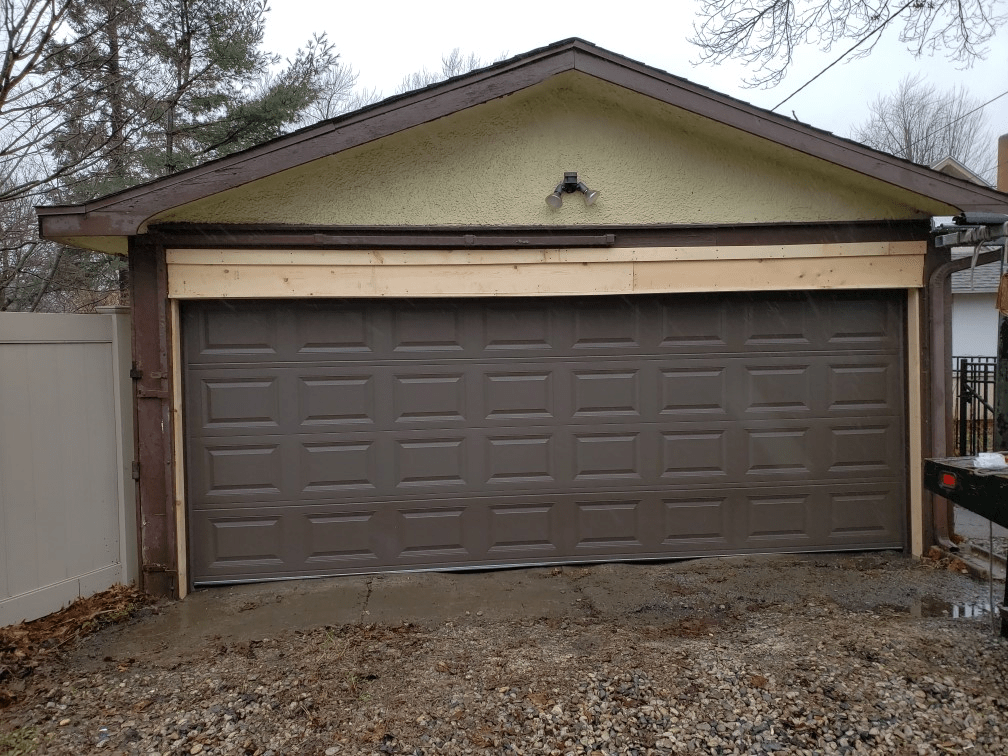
66	448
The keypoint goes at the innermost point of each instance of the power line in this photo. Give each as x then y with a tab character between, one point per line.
981	106
857	44
964	115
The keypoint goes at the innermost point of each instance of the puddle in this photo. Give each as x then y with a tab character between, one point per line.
930	606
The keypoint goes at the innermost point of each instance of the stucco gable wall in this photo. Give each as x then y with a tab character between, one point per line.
494	164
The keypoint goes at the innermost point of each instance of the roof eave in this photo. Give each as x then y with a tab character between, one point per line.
126	212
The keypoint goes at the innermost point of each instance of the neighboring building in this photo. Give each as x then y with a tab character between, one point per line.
974	293
372	345
974	309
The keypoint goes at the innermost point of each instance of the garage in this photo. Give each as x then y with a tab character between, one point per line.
339	436
393	341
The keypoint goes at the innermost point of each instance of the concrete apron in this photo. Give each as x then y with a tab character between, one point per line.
645	593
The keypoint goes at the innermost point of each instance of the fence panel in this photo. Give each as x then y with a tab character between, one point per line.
973	383
67	506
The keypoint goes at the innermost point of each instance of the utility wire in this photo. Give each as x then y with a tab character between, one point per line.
956	120
853	47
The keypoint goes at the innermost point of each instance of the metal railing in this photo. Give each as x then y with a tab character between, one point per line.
973	381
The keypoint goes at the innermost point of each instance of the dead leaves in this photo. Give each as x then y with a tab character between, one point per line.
22	645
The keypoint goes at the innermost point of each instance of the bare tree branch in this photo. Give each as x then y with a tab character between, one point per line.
766	33
924	126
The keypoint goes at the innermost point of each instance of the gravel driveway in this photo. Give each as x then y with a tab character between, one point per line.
844	654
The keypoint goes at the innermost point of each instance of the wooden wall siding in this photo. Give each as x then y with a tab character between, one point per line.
915	428
67	510
151	355
195	273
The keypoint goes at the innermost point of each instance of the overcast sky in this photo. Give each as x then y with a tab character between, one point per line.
386	40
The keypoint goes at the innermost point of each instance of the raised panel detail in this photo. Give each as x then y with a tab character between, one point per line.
246	540
242	403
861	323
516	327
335	400
694	520
858	387
604	393
694	324
337	466
607	323
860	449
692	454
431	462
247	469
777	323
427	330
334	332
519	459
778	518
691	391
429	398
518	395
340	537
860	515
235	332
778	452
432	532
600	457
607	524
520	527
778	389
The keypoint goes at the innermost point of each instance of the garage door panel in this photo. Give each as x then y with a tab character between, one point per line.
249	467
525	528
695	389
520	459
613	392
339	465
699	452
865	386
871	324
320	333
332	539
229	333
519	395
430	398
334	437
695	324
474	461
508	327
242	402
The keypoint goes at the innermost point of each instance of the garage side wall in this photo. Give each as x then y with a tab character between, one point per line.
152	371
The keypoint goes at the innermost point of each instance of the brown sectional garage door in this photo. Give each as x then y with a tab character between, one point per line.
331	437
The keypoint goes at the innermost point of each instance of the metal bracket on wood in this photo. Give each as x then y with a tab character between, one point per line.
135	471
160	568
145	393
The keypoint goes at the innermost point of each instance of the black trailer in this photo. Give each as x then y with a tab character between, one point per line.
980	490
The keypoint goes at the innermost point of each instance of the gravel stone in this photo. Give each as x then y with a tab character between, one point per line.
811	674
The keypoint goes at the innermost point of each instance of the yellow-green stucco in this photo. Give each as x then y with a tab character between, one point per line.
494	164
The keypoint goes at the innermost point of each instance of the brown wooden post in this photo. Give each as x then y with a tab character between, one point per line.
152	402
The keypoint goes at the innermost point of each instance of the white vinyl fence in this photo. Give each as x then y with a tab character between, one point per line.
67	500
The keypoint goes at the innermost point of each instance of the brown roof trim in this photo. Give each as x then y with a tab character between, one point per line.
124	213
532	237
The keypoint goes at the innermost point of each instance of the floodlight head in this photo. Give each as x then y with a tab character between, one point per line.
569	185
590	195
